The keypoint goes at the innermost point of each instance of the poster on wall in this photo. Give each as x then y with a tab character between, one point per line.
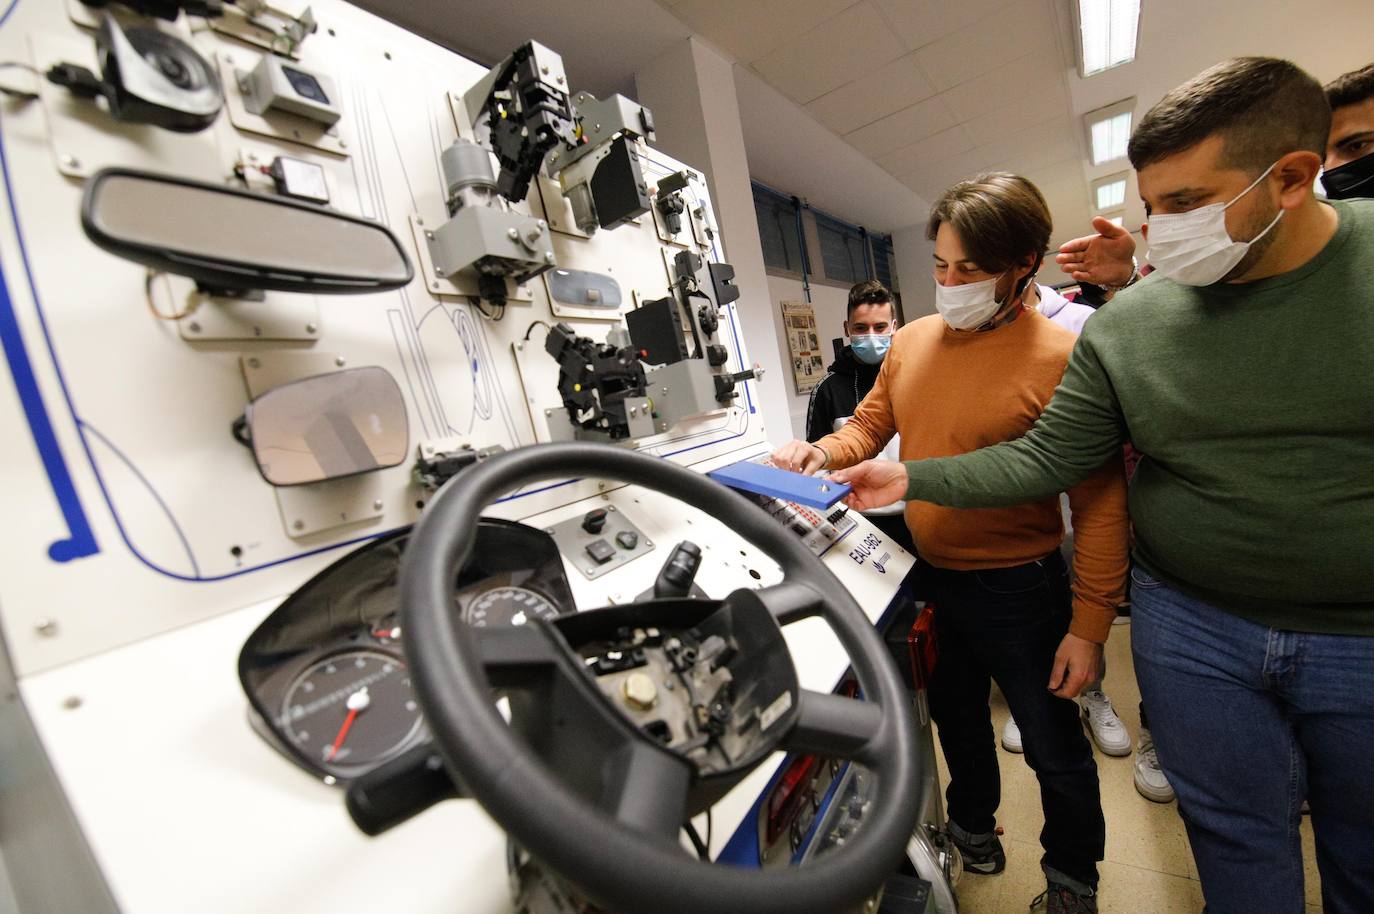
808	365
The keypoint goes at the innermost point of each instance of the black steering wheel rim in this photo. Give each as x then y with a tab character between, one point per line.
622	868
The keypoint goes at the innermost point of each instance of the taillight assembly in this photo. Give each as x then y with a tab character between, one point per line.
789	794
920	642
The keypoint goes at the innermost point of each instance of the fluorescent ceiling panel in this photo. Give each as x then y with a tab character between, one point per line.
1107	33
1111	194
1110	135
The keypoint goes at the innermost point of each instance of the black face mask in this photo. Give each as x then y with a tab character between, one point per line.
1353	179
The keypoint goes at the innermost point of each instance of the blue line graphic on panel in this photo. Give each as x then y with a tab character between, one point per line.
87	428
81	540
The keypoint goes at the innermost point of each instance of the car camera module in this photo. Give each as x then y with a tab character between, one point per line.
305	85
274	85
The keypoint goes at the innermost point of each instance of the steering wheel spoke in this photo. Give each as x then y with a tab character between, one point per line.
835	727
647	788
514	655
791	601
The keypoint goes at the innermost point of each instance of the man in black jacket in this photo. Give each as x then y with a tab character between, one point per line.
870	323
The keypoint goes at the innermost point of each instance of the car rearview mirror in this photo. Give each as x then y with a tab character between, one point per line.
327	426
233	240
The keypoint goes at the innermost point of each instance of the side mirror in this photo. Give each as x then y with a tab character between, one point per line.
327	427
230	240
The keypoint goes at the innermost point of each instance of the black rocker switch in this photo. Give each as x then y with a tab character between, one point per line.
676	577
594	520
600	551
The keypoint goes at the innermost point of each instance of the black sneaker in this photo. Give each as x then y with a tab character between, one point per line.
984	858
1060	899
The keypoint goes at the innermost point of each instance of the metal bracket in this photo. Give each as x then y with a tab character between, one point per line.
460	285
573	541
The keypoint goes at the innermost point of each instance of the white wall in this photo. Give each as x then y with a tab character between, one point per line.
793	152
691	91
831	303
912	253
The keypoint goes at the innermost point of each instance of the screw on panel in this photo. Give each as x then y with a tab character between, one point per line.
343	144
548	256
311	328
377	505
589	570
71	702
512	234
339	361
70	161
193	327
254	363
298	525
46	627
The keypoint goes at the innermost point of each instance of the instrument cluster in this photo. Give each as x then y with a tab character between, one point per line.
326	673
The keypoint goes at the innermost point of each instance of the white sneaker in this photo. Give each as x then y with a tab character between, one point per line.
1150	781
1011	737
1107	730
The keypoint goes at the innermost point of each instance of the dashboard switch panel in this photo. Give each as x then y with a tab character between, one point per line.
598	545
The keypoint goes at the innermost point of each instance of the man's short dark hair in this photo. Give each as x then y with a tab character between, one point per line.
1263	107
1000	219
1351	88
868	292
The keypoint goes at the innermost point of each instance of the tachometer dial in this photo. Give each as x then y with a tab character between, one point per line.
351	711
507	606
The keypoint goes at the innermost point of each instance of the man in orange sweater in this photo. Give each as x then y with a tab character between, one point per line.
978	374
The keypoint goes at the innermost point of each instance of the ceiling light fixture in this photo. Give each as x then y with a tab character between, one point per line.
1107	31
1109	129
1110	192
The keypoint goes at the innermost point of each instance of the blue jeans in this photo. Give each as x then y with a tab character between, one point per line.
1248	721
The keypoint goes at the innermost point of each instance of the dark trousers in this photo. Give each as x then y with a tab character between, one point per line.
1006	624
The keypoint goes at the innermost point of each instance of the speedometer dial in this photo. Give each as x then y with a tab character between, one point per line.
351	711
507	606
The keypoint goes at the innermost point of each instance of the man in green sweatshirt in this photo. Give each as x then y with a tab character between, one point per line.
1243	372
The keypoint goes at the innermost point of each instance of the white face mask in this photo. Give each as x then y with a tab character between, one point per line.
968	306
1194	248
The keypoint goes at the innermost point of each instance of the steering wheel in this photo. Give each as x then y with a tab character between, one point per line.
609	824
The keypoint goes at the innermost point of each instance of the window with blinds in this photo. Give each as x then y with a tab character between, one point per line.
778	230
843	253
882	259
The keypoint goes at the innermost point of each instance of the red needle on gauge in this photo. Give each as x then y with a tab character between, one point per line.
357	702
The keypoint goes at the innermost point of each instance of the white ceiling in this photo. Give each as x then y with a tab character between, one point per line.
936	90
930	91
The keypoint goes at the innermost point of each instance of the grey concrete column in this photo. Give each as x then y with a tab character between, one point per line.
691	91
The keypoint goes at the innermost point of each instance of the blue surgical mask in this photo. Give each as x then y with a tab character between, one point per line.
870	348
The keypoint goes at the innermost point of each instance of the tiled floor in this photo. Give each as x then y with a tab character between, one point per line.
1148	867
